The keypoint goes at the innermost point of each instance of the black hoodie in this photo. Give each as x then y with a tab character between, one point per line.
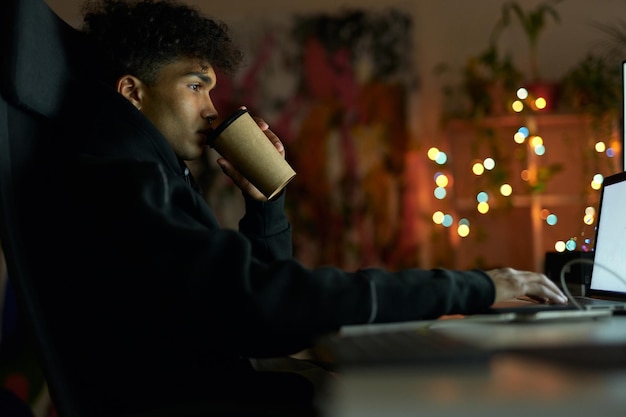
150	289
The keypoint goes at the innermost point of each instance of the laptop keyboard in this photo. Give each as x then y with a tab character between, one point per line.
586	301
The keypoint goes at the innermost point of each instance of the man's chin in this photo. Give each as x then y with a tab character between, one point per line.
192	154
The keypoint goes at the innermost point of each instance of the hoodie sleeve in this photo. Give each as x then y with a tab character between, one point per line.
149	234
266	226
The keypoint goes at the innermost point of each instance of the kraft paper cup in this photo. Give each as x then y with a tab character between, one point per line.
242	142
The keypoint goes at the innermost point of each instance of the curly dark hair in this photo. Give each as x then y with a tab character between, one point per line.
139	36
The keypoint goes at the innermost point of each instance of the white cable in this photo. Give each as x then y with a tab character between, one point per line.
581	261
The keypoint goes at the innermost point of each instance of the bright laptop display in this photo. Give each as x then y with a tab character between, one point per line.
608	276
624	114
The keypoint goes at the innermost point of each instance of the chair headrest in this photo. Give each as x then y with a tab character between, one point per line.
40	55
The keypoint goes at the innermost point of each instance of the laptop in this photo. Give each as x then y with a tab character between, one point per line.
607	262
607	287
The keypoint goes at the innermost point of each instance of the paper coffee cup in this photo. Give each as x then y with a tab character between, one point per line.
242	142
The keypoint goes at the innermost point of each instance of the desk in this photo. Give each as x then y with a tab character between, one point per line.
507	385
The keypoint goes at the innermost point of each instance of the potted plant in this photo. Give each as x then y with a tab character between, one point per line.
493	74
613	46
594	86
488	81
533	23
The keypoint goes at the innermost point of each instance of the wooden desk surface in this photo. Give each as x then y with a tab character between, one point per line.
508	385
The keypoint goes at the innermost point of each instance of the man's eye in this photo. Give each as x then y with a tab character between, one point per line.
195	87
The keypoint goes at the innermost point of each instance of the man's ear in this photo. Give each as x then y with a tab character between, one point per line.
132	88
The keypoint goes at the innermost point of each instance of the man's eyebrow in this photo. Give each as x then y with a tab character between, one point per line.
201	75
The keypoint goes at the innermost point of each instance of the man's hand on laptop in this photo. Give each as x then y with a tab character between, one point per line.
511	283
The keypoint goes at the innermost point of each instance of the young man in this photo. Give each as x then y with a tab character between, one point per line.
157	298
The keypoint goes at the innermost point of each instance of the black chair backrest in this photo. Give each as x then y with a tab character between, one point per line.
41	61
41	56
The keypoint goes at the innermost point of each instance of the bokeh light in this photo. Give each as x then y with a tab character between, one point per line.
559	246
447	220
600	147
590	215
432	153
441	158
441	180
438	217
519	137
478	168
482	197
440	193
536	141
522	93
552	219
540	150
463	230
483	207
525	175
517	106
570	245
524	130
596	182
489	163
506	190
541	103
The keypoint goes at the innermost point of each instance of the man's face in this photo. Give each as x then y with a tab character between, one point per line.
180	106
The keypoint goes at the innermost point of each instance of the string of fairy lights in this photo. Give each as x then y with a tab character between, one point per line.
442	181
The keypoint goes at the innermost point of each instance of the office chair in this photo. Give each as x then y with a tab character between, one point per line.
44	64
35	71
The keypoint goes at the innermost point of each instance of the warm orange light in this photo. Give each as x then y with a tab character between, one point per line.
536	141
433	153
517	106
525	174
541	103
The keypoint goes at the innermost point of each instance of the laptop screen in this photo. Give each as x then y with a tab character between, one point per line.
609	269
623	124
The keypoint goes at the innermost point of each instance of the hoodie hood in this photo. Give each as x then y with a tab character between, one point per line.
125	133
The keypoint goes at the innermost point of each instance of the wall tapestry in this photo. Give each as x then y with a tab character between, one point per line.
334	87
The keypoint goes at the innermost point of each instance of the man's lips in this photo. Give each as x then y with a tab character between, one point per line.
206	134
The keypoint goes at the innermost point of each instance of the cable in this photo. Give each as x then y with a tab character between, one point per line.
581	261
